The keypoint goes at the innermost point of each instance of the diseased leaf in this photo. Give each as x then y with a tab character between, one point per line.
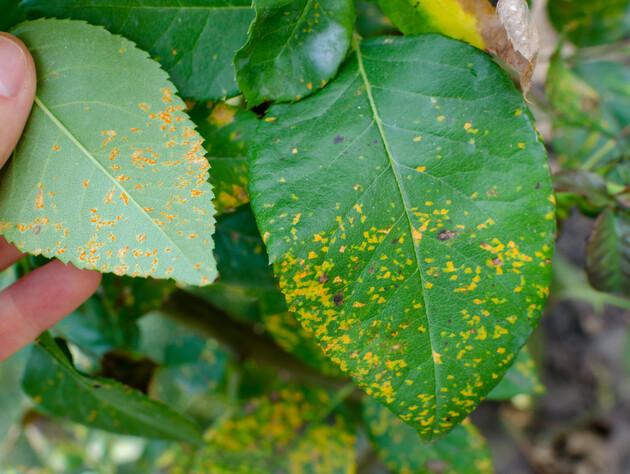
293	338
282	432
227	132
410	222
58	388
507	30
11	14
520	379
194	41
591	22
294	48
608	252
400	448
110	173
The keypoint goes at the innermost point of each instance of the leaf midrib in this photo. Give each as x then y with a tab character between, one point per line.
392	164
86	152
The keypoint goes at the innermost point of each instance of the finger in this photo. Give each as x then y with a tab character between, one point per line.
9	254
40	299
17	90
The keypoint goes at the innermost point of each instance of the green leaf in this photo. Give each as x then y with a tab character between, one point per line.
608	252
294	48
400	448
581	143
97	330
246	277
590	185
194	41
281	432
110	173
58	388
11	14
591	22
228	132
521	378
572	98
411	223
371	21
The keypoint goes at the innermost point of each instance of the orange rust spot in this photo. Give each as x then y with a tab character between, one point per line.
168	94
110	136
85	183
56	147
135	129
192	236
39	200
147	209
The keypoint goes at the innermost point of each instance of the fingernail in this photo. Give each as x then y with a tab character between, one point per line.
12	68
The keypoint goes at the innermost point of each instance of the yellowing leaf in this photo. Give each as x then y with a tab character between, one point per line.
110	173
507	31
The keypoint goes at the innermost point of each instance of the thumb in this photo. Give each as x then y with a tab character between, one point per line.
17	89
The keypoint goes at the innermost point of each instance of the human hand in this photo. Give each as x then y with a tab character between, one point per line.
40	299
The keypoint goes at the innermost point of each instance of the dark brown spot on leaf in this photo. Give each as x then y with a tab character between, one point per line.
323	278
497	262
338	139
446	235
338	298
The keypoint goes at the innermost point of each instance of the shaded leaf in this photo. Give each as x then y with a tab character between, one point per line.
410	223
131	298
400	448
282	432
583	143
95	329
590	185
228	132
371	21
58	388
572	98
608	252
507	30
194	41
521	378
11	14
246	276
294	48
110	173
591	22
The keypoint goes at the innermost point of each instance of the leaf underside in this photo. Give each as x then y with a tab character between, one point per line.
110	173
410	222
194	41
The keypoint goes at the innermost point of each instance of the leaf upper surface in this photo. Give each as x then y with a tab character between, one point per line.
194	41
294	48
110	173
410	222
